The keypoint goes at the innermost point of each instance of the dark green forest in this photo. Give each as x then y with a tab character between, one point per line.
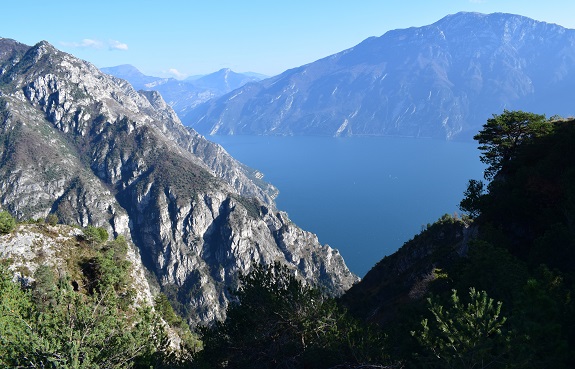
504	299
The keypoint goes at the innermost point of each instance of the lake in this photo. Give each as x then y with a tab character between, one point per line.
364	196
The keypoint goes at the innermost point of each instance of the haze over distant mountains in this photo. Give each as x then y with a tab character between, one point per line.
443	80
183	95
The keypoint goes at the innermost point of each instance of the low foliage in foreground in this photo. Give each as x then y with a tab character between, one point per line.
91	322
279	322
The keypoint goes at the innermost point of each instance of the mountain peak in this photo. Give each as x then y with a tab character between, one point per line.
44	47
471	19
223	81
440	80
45	43
470	16
124	69
131	74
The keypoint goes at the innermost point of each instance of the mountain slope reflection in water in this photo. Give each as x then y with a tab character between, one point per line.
365	196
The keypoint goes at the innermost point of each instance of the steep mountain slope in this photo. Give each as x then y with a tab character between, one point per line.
519	249
443	80
86	146
187	94
405	275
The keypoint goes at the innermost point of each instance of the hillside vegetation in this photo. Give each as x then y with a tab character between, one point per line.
495	288
68	299
490	289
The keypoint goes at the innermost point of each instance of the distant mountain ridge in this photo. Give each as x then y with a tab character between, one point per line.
131	74
443	80
183	95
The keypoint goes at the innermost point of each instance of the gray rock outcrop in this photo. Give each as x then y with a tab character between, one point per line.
88	147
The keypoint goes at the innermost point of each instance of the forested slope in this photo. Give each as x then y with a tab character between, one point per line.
516	243
491	288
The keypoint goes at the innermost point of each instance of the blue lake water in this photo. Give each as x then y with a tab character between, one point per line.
365	196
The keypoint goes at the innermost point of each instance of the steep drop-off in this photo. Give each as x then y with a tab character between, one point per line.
89	148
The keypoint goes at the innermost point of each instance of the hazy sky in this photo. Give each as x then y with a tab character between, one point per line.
187	37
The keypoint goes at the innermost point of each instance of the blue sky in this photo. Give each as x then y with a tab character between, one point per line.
180	38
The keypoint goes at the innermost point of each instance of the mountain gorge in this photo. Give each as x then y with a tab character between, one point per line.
443	80
88	148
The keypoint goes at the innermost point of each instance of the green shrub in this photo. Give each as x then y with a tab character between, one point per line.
7	222
95	235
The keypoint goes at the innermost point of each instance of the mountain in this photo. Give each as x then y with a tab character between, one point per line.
187	94
194	77
85	146
257	76
131	74
442	80
224	81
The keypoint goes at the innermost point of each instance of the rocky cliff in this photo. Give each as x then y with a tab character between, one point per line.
89	148
442	80
63	248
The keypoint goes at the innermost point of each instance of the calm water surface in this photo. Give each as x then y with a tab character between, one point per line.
365	196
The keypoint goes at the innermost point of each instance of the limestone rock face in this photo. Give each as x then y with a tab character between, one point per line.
88	147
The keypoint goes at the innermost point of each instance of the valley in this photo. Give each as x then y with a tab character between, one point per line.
408	202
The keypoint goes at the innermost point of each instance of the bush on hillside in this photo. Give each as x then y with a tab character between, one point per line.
7	222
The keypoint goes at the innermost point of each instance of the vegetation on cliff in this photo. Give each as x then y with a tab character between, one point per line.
279	322
86	315
518	249
490	289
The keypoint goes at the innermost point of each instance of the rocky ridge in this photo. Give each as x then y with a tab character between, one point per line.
88	147
443	80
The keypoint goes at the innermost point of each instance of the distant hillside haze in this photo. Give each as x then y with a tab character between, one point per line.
442	80
224	80
188	93
131	74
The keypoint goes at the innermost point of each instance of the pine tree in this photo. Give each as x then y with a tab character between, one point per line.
465	336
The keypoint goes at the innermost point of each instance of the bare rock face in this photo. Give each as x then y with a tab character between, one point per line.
89	148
